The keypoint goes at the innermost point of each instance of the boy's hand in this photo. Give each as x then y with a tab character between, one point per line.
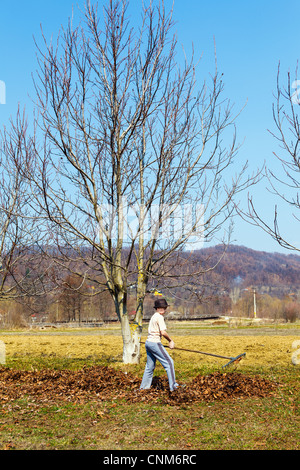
171	344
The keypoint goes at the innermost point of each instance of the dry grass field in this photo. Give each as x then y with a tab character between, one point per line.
264	347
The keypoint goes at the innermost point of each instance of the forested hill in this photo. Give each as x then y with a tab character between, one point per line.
246	267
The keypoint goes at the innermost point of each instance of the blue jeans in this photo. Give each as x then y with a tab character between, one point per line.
156	351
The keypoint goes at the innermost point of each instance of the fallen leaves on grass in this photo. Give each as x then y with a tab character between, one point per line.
107	383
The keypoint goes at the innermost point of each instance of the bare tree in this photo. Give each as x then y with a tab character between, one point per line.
128	134
71	299
284	182
21	271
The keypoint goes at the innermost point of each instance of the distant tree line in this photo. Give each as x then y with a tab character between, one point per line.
223	291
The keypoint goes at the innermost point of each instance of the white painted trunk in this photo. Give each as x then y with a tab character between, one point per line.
131	344
131	340
131	333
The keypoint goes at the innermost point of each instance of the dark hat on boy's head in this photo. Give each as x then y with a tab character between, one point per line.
160	303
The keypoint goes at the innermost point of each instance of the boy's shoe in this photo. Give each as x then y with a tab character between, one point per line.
180	386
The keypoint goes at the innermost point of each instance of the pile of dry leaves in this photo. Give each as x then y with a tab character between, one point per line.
106	383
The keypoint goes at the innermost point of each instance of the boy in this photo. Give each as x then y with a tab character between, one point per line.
155	350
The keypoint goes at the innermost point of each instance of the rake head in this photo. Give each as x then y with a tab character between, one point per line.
234	360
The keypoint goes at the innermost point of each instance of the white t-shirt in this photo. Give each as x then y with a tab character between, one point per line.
156	325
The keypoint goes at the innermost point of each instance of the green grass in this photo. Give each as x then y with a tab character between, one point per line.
249	424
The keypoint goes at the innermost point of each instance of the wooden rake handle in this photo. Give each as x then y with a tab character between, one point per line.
231	359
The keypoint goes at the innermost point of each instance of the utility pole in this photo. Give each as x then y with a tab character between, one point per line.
254	300
254	303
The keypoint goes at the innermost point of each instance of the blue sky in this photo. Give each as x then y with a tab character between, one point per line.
251	38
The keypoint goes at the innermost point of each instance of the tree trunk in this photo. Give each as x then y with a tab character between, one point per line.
131	342
131	334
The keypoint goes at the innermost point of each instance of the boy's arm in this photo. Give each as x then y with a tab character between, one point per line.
168	338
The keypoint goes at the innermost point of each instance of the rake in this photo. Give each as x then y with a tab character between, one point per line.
232	360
